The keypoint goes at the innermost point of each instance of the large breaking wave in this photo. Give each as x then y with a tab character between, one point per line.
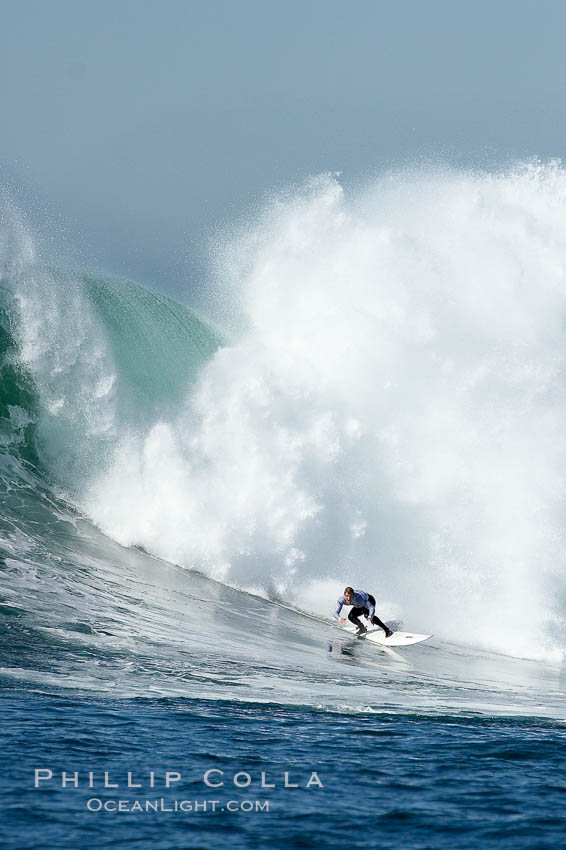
390	413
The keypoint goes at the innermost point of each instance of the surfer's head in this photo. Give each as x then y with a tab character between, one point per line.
348	594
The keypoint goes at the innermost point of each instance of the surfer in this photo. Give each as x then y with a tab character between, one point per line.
363	603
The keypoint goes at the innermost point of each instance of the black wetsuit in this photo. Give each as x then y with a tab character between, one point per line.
356	613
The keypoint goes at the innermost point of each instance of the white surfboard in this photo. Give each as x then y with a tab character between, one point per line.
396	639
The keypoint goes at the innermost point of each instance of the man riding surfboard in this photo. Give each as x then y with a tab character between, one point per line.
363	603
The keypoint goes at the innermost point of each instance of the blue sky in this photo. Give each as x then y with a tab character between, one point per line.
140	127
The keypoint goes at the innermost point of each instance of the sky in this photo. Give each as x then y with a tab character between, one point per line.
133	131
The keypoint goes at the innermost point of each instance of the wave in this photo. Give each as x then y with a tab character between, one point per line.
390	416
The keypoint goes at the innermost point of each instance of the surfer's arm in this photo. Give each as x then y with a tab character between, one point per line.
371	609
339	608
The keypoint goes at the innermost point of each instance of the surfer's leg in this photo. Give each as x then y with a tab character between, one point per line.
377	622
354	617
375	619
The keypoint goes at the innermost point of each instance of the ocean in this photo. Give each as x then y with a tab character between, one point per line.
372	392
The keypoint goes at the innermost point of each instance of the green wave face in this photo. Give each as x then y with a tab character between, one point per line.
158	345
62	337
19	402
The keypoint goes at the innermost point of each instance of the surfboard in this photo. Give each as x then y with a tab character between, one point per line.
396	639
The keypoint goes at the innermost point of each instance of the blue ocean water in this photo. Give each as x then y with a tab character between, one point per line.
388	780
384	406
